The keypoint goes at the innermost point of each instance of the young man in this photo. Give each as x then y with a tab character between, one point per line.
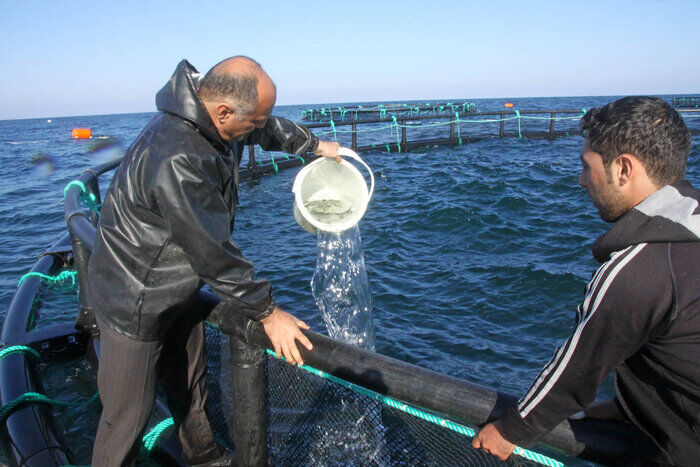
164	231
641	312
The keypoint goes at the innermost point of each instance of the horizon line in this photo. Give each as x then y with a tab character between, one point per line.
331	104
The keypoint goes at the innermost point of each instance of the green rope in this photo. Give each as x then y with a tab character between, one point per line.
150	440
59	278
335	136
272	160
459	135
86	197
27	398
534	456
398	138
15	349
517	113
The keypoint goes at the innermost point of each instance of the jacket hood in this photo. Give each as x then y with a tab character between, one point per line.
670	215
180	97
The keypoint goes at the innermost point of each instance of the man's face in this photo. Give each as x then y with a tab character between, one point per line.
237	126
601	185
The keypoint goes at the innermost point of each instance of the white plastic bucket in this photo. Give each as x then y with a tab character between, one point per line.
330	196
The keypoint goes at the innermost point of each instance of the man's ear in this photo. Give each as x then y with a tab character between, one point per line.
625	166
223	112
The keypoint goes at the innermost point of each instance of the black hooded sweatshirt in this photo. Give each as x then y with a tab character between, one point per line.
166	223
640	317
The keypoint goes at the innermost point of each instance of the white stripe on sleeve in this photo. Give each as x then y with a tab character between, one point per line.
528	402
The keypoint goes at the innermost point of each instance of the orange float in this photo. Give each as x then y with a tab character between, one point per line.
82	133
509	105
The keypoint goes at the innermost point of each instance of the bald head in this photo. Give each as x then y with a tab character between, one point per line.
239	81
238	95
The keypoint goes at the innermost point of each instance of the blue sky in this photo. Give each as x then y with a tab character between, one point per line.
97	57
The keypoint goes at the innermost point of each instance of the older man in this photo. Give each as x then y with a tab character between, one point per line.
165	230
641	312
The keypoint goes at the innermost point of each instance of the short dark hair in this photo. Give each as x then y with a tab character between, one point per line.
241	89
646	127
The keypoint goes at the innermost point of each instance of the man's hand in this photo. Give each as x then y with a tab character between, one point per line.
283	331
328	149
490	440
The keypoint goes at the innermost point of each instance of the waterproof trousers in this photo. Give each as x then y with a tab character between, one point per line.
128	373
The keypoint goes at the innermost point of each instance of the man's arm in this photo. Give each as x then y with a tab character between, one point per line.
490	439
622	305
188	197
280	134
197	216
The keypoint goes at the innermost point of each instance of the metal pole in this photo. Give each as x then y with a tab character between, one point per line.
81	258
248	383
94	188
502	131
403	134
551	124
452	130
354	136
251	160
249	412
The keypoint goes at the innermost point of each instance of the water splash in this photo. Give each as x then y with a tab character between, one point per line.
341	289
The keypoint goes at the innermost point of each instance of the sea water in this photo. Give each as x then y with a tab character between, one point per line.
341	289
477	254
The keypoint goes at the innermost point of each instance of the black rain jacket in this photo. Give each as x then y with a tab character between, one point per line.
166	223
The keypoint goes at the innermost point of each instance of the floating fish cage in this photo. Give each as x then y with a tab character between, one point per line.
359	112
347	406
413	133
687	102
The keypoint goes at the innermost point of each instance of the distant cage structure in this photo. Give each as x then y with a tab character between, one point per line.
360	112
687	102
409	132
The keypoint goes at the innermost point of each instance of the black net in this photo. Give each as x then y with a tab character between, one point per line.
314	421
311	420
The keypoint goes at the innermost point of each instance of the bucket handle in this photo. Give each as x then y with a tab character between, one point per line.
347	152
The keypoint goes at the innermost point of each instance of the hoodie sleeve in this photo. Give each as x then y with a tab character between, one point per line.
622	306
190	202
280	134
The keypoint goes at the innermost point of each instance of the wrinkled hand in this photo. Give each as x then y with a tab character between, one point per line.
328	149
283	330
490	440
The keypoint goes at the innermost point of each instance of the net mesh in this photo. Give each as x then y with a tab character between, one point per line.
314	421
311	420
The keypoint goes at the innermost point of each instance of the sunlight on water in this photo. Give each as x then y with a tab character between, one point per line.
341	289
